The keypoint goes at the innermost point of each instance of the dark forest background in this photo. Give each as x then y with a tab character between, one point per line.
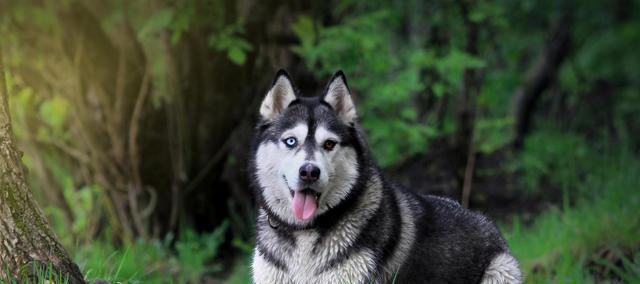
135	119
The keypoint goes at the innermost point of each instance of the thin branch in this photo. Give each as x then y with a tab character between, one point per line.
134	126
468	174
205	170
134	154
467	114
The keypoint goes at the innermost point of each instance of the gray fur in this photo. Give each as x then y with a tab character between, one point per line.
366	229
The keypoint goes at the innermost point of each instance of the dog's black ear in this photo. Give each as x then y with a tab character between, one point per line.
281	94
337	95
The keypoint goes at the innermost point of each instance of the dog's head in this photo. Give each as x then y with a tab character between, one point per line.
307	149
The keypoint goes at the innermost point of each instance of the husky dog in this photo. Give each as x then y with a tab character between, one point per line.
326	213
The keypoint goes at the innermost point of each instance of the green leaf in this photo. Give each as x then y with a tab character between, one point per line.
438	89
237	56
477	16
409	113
54	111
303	28
158	21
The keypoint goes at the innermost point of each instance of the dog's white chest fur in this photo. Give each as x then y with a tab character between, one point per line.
304	265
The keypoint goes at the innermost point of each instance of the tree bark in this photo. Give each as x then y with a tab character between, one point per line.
25	236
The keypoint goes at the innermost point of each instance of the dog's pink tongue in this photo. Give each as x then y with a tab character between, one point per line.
304	205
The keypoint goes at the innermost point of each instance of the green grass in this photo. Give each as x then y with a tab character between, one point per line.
136	263
35	273
187	261
241	272
563	243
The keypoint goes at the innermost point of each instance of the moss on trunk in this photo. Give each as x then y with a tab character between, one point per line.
25	236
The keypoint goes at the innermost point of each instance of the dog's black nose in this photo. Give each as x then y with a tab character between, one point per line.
309	173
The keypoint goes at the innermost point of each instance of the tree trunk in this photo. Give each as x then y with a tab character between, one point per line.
541	75
25	236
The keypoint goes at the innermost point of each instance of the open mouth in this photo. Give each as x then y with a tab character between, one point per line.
304	203
307	191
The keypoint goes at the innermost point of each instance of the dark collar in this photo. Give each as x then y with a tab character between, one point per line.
272	222
278	224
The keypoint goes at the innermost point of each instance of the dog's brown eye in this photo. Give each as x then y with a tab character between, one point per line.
328	145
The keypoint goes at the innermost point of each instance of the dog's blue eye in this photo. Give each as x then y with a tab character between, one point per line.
291	142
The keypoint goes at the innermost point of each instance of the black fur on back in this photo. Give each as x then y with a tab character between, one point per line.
453	244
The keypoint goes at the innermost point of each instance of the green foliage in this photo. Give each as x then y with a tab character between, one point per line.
304	28
135	263
159	21
83	213
227	40
224	36
241	272
394	74
492	134
385	78
559	158
84	200
187	261
194	251
629	271
562	241
55	110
